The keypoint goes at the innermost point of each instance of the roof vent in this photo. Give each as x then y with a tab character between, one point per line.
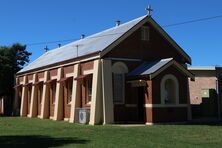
82	36
118	22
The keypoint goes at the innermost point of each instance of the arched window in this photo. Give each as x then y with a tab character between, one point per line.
169	90
119	69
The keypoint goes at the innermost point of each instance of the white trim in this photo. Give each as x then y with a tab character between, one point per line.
54	77
66	119
164	105
41	79
88	103
162	87
87	72
69	75
149	123
21	82
123	59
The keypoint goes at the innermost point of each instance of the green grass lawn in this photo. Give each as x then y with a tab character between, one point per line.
25	132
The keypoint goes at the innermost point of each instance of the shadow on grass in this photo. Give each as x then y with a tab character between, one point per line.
37	141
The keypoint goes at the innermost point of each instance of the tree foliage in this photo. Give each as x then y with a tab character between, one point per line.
12	59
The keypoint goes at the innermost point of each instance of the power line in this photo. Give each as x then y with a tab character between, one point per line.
164	26
60	41
49	42
193	21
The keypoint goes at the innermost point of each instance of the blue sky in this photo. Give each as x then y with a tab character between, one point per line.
29	21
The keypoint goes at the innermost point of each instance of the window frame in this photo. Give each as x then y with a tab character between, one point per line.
69	92
53	92
119	68
88	82
123	89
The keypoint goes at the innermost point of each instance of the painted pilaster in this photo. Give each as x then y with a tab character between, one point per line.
75	95
24	103
33	107
58	113
107	94
96	110
45	98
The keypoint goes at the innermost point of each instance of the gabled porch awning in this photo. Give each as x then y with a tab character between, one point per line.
152	69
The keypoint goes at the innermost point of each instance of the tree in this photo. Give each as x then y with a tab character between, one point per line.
12	59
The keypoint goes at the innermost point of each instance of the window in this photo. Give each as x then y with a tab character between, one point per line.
89	89
39	93
118	88
53	92
69	89
119	69
145	33
29	94
169	90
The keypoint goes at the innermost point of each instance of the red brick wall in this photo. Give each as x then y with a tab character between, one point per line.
68	69
183	85
156	48
166	114
86	66
30	77
196	86
53	72
40	75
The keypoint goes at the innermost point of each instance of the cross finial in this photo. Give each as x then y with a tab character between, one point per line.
46	49
149	10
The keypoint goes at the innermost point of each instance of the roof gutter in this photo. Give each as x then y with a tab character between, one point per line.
85	58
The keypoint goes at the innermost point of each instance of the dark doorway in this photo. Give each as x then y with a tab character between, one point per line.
141	102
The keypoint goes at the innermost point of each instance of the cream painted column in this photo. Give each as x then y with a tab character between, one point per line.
24	103
45	98
33	108
75	95
58	110
108	115
96	110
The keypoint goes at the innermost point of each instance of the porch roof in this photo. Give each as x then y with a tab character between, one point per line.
152	69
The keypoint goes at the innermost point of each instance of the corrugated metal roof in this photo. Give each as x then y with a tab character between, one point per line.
202	68
94	43
149	67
